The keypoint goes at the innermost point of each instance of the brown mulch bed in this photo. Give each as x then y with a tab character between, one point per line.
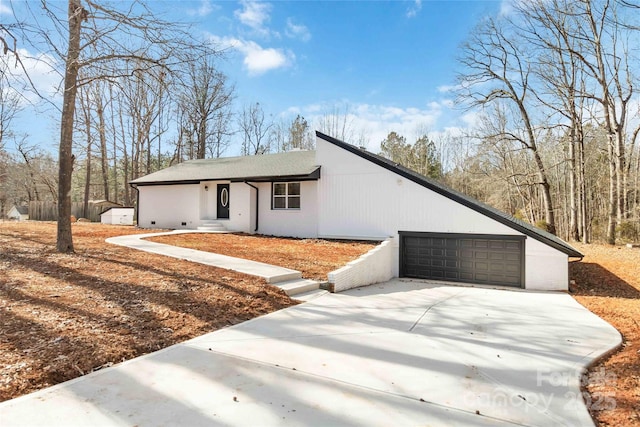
64	315
608	284
315	258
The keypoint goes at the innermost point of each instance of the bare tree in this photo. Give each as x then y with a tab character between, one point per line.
256	130
9	109
339	123
585	51
299	135
86	120
9	105
497	70
107	43
205	101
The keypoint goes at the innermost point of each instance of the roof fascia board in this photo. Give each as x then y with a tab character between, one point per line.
313	176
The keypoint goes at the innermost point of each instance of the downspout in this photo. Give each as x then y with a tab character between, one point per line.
257	202
136	214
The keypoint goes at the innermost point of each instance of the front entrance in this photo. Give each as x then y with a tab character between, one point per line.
223	201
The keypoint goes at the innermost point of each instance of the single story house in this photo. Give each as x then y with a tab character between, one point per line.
340	191
19	213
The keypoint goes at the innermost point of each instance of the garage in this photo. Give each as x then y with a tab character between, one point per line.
467	258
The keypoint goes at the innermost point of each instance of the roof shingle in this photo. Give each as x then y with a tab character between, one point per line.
298	164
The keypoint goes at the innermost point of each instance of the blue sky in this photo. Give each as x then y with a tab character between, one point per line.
389	63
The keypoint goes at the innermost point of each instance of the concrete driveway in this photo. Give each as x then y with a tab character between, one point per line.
399	353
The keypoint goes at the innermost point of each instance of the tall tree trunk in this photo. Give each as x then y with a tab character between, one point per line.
103	147
64	241
582	201
573	209
613	199
202	138
115	148
87	183
85	105
620	173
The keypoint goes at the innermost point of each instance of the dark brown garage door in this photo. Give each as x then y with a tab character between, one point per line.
468	258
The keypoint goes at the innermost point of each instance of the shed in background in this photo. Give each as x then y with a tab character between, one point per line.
117	216
19	213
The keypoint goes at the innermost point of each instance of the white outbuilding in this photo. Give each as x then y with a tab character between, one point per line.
19	213
117	216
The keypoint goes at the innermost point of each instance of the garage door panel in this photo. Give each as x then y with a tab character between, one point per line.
463	258
480	255
497	256
512	257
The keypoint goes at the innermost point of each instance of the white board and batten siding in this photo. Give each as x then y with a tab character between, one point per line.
359	199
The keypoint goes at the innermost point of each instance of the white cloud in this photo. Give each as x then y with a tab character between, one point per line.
205	9
375	121
254	15
471	119
448	103
5	10
449	88
413	10
506	8
257	59
297	31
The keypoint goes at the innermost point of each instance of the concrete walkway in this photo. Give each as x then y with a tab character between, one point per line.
400	353
287	279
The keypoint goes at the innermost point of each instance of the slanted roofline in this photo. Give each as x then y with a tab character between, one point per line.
495	214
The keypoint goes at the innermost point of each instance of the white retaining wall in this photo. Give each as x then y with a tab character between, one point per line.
373	267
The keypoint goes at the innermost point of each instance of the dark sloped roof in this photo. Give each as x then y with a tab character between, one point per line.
22	210
456	196
293	164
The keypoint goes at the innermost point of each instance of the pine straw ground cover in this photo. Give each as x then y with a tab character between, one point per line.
314	258
63	316
66	315
608	284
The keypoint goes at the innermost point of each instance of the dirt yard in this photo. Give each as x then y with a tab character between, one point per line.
67	315
608	284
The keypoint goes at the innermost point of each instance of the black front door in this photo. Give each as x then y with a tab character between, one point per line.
223	201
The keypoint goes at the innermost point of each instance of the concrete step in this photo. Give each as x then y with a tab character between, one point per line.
282	275
310	295
297	286
208	225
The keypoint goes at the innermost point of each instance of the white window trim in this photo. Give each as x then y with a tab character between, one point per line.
285	196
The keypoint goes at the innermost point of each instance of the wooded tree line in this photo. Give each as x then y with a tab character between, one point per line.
139	94
552	85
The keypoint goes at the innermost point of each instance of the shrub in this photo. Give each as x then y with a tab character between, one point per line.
627	231
541	223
